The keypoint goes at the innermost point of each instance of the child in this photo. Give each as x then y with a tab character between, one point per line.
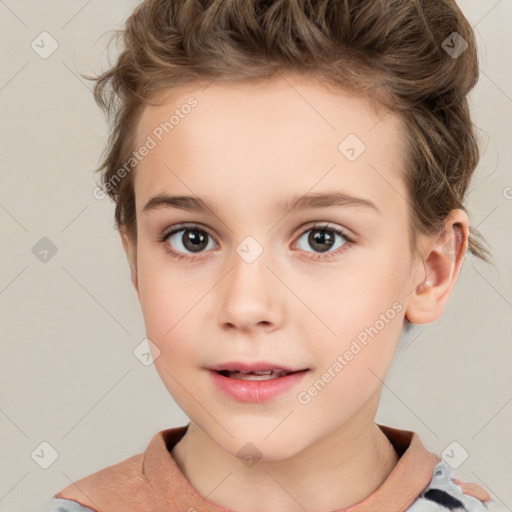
267	128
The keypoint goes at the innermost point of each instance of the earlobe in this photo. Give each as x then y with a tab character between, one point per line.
131	253
441	266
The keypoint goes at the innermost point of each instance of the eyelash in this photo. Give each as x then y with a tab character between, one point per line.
316	256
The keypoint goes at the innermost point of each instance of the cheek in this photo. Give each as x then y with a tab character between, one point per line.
170	303
170	311
352	367
362	317
352	298
178	314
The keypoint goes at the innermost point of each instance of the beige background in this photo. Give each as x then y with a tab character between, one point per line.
68	375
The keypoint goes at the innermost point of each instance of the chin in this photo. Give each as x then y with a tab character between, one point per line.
251	448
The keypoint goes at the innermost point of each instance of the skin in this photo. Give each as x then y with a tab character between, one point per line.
245	147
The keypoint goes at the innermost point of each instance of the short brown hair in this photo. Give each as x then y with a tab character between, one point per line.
389	51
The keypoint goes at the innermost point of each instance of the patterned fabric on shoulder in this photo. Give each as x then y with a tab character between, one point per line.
63	505
446	493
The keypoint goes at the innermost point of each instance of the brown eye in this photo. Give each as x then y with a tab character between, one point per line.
194	240
185	240
322	239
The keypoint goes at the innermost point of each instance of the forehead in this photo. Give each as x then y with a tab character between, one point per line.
284	134
271	104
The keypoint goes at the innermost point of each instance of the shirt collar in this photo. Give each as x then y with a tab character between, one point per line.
403	485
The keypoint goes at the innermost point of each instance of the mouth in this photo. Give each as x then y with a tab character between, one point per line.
254	370
255	382
253	375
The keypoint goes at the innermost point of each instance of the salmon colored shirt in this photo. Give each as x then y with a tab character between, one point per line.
152	482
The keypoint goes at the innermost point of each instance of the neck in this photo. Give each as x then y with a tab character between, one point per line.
335	472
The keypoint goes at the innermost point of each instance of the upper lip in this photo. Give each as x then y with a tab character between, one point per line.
254	366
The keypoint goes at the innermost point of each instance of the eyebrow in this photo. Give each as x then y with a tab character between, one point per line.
294	203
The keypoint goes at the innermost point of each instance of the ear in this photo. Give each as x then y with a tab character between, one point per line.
130	248
442	261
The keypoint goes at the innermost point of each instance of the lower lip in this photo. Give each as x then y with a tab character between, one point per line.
256	390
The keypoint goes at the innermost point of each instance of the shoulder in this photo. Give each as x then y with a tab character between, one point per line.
63	505
447	493
108	485
146	481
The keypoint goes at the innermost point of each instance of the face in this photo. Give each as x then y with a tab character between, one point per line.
266	274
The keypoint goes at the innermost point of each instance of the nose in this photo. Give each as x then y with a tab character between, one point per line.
250	296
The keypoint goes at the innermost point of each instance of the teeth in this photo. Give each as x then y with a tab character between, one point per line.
261	375
263	372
